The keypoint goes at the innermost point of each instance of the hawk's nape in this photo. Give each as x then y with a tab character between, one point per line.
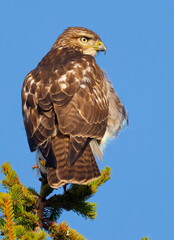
69	107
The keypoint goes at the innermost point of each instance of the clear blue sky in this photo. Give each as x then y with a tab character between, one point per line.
139	35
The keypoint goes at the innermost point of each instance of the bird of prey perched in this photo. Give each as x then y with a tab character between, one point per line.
70	108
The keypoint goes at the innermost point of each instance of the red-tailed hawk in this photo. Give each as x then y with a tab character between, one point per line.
70	108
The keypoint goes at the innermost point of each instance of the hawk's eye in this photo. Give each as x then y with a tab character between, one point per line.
83	39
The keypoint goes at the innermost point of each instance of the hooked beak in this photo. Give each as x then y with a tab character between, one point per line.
101	47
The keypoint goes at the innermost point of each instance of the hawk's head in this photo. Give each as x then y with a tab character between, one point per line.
81	39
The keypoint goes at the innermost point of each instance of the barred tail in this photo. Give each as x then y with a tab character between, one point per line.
82	171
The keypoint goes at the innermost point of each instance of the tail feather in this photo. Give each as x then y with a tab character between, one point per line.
83	170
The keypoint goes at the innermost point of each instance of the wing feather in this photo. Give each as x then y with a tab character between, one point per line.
70	99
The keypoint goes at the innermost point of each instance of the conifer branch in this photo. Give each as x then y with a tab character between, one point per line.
26	213
7	209
11	177
63	231
75	199
22	208
34	212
